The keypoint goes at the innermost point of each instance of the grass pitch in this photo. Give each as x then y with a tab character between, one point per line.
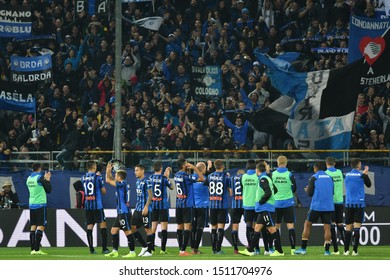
82	253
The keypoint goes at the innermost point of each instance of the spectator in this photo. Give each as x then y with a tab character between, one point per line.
8	198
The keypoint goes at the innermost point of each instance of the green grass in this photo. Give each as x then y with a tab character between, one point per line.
82	253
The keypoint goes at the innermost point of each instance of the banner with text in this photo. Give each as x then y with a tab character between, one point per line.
14	21
16	97
66	228
365	37
206	80
31	69
92	7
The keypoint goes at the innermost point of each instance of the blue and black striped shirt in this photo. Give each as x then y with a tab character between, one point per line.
235	184
142	186
92	184
219	184
159	185
184	189
122	197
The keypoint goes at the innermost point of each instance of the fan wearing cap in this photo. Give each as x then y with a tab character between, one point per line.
8	198
38	186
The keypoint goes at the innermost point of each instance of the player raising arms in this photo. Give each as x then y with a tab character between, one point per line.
219	187
185	201
38	186
160	203
338	200
123	220
355	204
94	189
320	188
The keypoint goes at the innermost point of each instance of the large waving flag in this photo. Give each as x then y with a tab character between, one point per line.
321	105
152	23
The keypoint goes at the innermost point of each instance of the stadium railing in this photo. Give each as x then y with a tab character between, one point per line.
299	160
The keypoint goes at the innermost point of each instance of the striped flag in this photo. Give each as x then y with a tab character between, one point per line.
152	23
321	104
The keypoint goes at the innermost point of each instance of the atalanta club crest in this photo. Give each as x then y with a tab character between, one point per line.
371	49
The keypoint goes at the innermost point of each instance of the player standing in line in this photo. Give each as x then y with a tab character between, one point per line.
93	189
160	203
355	204
321	189
200	211
219	187
123	220
185	201
338	200
236	211
142	211
250	183
285	183
38	187
265	204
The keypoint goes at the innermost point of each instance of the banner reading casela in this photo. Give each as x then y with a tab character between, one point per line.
16	97
207	80
31	69
14	22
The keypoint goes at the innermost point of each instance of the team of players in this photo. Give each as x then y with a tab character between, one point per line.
203	192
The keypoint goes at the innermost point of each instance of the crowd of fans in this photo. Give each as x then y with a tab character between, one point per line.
160	110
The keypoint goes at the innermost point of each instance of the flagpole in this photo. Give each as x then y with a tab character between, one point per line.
118	80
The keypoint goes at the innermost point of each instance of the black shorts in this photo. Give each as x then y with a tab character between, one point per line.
160	215
218	216
236	214
200	217
265	218
326	216
183	215
250	216
95	216
285	214
354	215
38	217
123	221
338	214
138	220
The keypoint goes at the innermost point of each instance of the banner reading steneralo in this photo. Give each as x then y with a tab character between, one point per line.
35	69
16	97
14	21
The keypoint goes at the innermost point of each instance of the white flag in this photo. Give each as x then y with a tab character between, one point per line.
387	8
152	23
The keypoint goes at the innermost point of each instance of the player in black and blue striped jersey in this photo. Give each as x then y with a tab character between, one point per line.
237	210
143	211
160	203
94	188
123	220
219	190
185	201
